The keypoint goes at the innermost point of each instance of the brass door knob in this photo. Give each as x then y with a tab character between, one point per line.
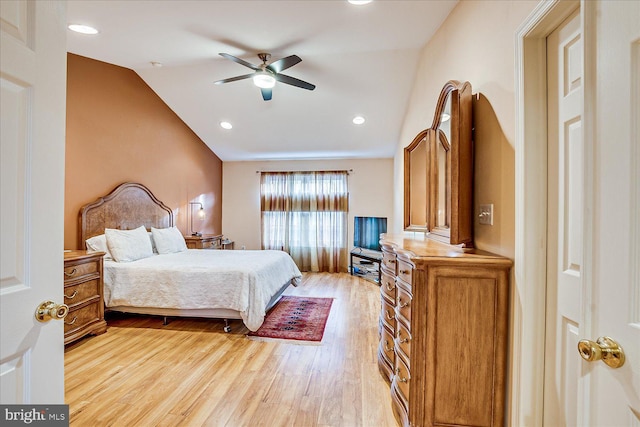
50	310
605	349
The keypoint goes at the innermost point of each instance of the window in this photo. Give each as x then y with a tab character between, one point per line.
305	214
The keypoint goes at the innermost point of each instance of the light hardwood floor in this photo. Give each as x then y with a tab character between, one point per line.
191	373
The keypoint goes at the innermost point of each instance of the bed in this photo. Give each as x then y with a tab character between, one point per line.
221	284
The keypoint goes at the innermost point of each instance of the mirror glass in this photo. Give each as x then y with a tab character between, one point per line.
418	183
443	194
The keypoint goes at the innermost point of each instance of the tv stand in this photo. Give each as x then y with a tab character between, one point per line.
369	265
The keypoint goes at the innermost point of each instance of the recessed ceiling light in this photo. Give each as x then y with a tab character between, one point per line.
359	2
83	29
358	120
156	64
226	125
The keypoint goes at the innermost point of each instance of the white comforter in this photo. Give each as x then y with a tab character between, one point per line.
202	279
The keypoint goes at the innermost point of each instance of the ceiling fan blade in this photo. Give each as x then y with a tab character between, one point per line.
240	61
266	94
294	82
233	79
284	63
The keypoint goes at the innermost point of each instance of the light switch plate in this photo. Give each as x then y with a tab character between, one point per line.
486	214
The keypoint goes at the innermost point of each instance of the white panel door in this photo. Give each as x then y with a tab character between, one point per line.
615	299
32	139
565	221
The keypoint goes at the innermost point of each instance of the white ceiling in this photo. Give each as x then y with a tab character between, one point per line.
362	60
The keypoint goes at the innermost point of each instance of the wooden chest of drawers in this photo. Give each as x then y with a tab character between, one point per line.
83	286
443	333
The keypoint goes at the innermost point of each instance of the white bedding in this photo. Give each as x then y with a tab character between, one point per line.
244	281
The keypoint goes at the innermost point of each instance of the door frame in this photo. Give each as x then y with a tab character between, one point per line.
530	267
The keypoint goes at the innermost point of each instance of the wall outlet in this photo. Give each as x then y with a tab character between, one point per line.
486	214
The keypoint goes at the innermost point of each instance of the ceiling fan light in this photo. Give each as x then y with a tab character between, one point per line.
358	120
264	80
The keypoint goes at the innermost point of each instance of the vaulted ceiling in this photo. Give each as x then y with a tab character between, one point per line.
362	60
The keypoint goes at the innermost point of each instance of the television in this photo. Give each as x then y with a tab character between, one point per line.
367	230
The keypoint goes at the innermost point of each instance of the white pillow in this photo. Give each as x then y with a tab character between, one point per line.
99	244
168	240
129	245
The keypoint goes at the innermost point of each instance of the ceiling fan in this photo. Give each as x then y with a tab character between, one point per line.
265	76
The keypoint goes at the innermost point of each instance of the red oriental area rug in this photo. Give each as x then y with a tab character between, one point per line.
296	318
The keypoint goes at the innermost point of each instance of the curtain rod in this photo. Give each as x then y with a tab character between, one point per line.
338	170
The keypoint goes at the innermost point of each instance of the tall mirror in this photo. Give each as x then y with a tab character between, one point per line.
438	184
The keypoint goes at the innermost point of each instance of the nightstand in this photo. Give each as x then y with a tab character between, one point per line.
206	241
226	244
83	285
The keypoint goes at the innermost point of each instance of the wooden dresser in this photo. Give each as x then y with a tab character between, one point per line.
83	285
443	332
207	241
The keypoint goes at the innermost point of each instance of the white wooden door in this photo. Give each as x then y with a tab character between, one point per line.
614	64
32	139
565	220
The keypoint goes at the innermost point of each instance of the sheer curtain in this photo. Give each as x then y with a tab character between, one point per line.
305	214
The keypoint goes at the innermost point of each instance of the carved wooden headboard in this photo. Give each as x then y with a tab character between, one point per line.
128	206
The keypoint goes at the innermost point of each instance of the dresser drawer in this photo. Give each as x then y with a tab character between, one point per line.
76	294
405	271
388	315
389	262
74	272
210	244
403	341
388	286
80	317
386	347
402	379
403	304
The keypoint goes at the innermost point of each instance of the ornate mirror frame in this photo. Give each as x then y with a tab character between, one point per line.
446	210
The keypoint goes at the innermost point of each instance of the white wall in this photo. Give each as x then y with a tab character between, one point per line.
476	43
370	193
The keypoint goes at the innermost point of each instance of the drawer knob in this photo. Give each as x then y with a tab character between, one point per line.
402	304
405	271
72	322
389	317
71	273
400	379
72	295
386	346
50	310
389	287
402	341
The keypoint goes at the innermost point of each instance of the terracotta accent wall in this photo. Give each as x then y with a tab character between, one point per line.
119	130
